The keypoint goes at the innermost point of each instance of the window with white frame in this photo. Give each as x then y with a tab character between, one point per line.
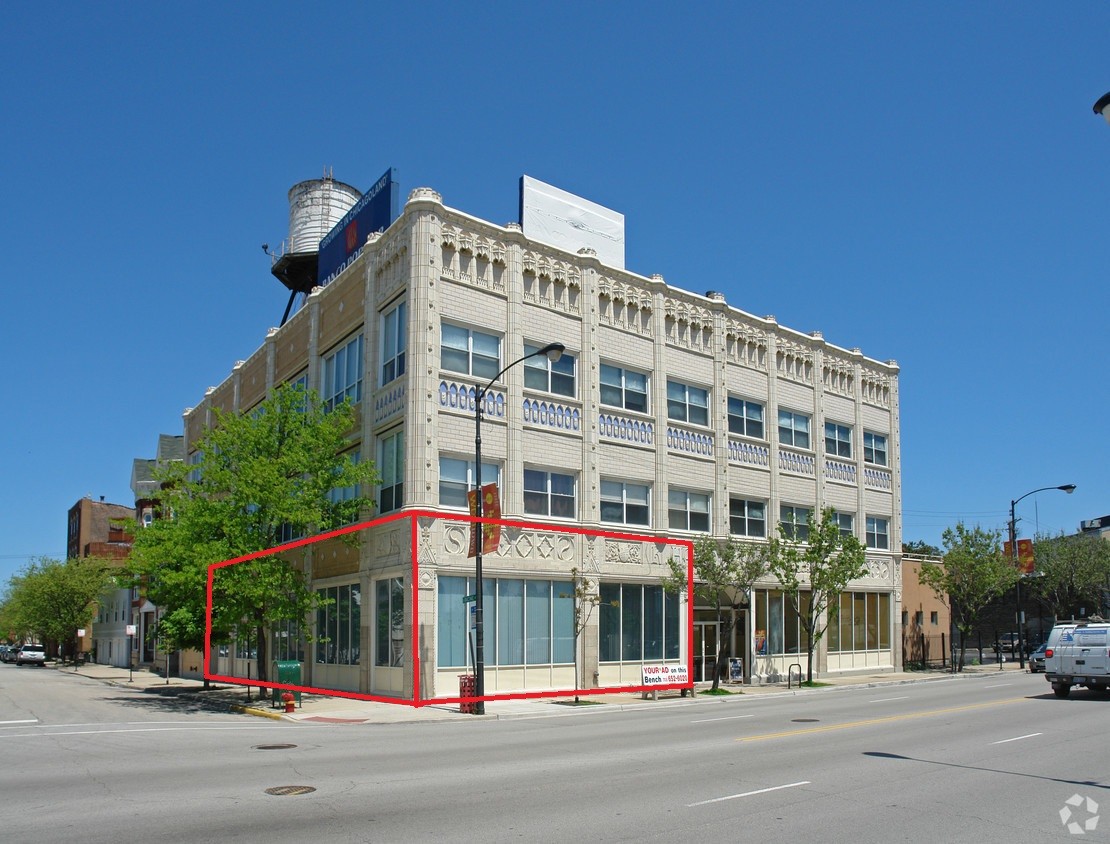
780	624
687	404
394	339
747	518
793	429
838	440
549	494
846	522
795	522
470	352
745	418
342	378
338	624
874	448
391	465
863	622
688	510
389	650
456	477
624	388
625	503
542	374
878	533
339	494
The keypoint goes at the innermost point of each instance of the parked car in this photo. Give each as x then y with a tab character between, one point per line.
1077	655
4	649
9	654
1009	642
30	655
1036	659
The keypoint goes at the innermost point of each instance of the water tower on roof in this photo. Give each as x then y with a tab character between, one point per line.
315	206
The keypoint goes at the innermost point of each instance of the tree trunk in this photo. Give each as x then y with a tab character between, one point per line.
260	651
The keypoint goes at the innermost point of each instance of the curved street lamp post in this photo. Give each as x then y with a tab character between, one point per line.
1069	489
553	351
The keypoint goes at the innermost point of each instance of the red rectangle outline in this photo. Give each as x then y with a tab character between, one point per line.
417	701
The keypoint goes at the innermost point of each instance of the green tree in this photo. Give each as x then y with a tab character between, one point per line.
974	572
586	599
51	599
723	576
1073	573
814	571
920	546
260	475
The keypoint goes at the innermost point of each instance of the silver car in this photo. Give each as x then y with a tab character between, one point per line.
30	655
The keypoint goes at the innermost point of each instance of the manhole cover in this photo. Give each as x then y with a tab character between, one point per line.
273	747
805	720
290	790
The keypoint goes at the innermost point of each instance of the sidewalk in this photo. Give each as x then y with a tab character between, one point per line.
315	708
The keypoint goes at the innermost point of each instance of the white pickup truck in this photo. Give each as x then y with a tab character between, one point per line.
1078	654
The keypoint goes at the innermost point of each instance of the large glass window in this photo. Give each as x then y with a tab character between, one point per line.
838	440
874	448
878	533
343	374
688	510
390	623
687	404
338	625
470	352
391	464
778	628
457	476
541	374
549	494
793	429
863	623
393	343
747	518
625	504
624	388
795	522
745	418
637	622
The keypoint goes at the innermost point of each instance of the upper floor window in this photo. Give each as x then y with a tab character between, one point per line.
625	504
838	440
745	418
747	518
541	374
878	533
391	464
470	352
687	404
393	343
456	477
624	388
688	510
549	494
343	374
793	429
339	494
874	448
795	522
846	522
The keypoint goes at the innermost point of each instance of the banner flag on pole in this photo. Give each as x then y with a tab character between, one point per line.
491	509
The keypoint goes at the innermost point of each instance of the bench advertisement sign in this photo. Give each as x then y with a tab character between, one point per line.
664	675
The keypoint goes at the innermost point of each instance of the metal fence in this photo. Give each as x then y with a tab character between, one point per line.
921	651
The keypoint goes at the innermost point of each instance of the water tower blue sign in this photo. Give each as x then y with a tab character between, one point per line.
374	212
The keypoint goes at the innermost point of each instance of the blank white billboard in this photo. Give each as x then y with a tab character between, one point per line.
569	222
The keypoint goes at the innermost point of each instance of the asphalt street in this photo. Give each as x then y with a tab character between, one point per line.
984	759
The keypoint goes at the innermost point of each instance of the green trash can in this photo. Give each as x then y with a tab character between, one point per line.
286	672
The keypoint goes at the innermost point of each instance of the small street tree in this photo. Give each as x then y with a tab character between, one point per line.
1073	574
261	476
723	576
974	572
586	600
814	568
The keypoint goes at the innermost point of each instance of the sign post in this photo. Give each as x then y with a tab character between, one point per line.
130	653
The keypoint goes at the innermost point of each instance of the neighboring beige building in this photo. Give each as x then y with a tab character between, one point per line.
671	413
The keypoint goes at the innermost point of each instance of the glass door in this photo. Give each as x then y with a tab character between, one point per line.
705	650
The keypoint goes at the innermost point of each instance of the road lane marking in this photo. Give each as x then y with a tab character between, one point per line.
728	718
886	720
998	686
1018	738
885	699
24	721
45	734
747	794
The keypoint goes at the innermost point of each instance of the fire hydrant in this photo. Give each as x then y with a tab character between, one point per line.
287	699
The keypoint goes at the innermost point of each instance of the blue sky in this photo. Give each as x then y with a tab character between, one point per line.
926	182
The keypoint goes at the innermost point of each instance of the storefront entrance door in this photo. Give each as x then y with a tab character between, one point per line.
705	650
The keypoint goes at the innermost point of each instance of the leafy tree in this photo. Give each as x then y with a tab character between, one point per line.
814	572
50	599
974	572
723	576
920	546
586	599
259	475
1073	573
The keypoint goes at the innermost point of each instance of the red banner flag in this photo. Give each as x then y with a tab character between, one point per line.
491	509
1026	562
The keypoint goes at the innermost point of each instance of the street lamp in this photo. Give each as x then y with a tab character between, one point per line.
553	351
1102	106
1069	489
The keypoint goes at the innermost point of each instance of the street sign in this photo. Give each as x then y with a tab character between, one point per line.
474	617
469	599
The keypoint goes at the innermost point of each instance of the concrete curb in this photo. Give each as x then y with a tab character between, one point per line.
258	713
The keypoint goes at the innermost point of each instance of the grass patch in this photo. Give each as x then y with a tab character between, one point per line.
813	684
717	692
